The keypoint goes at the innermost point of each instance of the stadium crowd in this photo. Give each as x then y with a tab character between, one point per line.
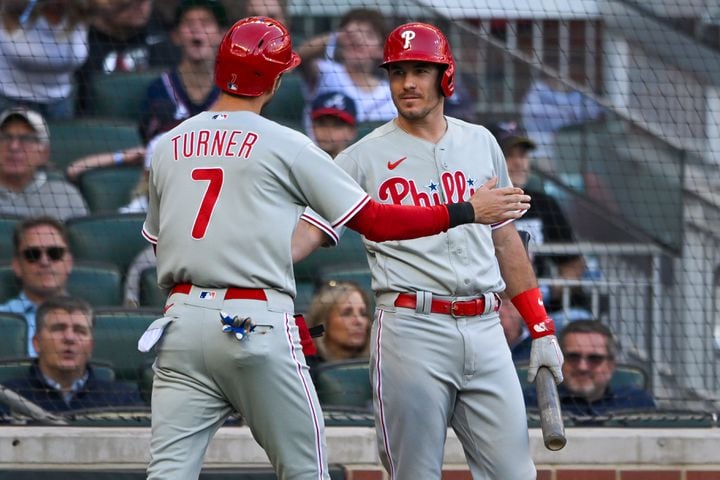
86	86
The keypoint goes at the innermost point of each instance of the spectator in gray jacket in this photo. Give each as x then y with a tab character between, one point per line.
25	189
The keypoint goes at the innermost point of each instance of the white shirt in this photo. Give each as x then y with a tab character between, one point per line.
37	61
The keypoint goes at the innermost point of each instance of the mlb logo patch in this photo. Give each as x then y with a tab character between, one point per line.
220	116
205	295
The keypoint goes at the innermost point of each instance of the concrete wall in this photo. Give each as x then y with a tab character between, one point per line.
591	454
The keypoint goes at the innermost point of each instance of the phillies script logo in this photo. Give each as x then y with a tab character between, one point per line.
456	187
407	35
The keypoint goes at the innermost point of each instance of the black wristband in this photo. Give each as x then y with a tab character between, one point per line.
460	213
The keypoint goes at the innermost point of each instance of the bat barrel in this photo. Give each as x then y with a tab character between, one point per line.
551	420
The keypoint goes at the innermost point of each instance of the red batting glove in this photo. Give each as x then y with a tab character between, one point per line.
530	305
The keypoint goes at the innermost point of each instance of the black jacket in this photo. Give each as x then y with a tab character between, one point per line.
94	394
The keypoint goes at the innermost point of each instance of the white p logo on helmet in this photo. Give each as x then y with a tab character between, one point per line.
407	35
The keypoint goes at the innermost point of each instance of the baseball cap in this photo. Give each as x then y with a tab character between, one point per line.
33	118
217	9
335	104
510	134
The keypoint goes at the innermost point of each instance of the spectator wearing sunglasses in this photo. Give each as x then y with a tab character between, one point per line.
25	189
590	354
42	262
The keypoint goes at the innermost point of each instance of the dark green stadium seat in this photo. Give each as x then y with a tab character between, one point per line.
366	127
359	275
288	104
7	227
114	238
18	367
72	139
151	295
120	95
9	284
116	334
345	384
99	283
349	253
305	290
14	336
107	189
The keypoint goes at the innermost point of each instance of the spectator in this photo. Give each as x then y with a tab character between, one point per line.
42	262
544	221
342	307
550	105
276	9
61	378
124	36
347	61
25	189
516	334
188	88
590	352
334	122
185	90
42	44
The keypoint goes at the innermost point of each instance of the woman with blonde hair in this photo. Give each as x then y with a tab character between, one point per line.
342	307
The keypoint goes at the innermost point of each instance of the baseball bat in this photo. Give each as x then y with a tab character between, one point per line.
551	420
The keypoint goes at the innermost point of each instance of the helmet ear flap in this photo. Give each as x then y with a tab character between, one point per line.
447	81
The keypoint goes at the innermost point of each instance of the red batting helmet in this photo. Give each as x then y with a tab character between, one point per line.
252	54
424	43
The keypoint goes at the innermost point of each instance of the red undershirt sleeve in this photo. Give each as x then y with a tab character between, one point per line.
380	222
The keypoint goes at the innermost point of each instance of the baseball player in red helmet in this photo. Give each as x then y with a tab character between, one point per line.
439	357
227	188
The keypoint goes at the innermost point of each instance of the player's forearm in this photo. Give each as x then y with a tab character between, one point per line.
521	284
306	238
380	222
515	266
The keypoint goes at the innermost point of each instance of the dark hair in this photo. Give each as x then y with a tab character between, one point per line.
66	304
213	6
367	15
590	326
30	223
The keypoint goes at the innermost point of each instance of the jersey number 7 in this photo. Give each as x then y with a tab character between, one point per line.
202	219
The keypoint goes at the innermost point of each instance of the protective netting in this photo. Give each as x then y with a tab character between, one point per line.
619	99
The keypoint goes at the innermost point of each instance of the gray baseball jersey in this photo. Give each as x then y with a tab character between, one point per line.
395	167
226	191
224	200
430	366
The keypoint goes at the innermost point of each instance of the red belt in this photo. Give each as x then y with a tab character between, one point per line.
455	308
232	293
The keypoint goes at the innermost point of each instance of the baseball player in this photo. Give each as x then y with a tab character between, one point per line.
226	190
439	357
